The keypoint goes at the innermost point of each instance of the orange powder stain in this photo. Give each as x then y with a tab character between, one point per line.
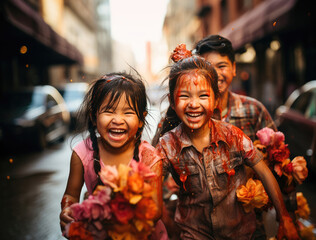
183	178
213	149
183	175
230	172
196	77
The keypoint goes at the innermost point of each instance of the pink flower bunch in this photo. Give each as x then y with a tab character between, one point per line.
95	208
274	142
268	137
277	156
124	208
90	216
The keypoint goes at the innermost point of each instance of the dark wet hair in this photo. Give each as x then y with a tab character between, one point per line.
215	43
112	85
177	70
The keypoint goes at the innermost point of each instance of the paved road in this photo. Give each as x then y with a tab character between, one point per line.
30	191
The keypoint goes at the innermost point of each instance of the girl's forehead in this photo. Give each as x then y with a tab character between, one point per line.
111	100
193	78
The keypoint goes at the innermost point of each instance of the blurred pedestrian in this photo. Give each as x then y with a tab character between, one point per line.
113	112
197	150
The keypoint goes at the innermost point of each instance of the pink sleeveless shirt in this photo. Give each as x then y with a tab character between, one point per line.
146	155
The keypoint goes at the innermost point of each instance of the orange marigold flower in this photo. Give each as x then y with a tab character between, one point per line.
135	183
77	231
307	233
300	171
252	195
146	209
303	209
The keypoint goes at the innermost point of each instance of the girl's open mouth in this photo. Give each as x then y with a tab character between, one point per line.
117	133
194	115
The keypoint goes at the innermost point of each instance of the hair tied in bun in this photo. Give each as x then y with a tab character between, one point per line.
180	52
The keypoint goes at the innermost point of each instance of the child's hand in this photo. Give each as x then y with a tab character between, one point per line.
65	218
287	229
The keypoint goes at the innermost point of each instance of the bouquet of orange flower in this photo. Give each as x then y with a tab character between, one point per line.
252	195
277	157
123	208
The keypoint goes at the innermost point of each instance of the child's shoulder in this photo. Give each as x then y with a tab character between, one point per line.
223	126
83	146
227	129
147	153
83	143
144	145
175	133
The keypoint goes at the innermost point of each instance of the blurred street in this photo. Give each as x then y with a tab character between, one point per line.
33	183
31	190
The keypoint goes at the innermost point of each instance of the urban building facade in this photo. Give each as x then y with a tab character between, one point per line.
51	42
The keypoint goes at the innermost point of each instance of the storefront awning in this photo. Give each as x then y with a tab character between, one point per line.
267	17
22	23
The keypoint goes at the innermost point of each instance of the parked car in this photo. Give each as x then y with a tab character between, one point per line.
297	120
73	94
33	117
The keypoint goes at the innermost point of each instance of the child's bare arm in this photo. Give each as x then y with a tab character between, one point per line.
73	190
286	228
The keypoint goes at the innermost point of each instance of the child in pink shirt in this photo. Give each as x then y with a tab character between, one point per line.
113	113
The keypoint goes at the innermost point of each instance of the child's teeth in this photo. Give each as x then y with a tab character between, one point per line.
194	114
117	131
